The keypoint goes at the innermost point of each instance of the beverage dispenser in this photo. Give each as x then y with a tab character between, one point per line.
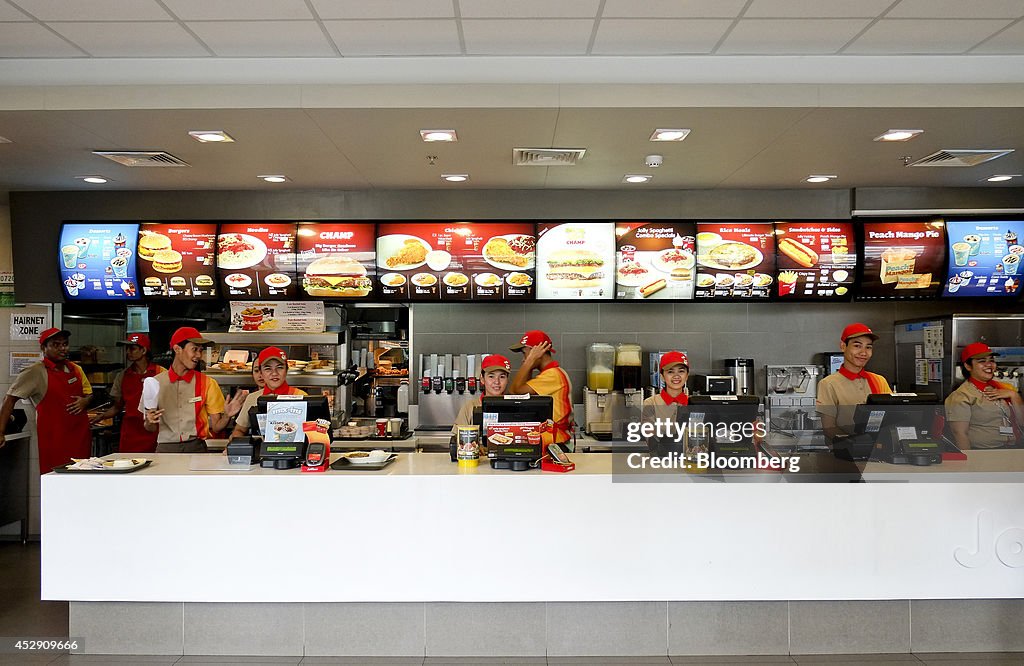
446	381
628	367
612	394
742	370
600	366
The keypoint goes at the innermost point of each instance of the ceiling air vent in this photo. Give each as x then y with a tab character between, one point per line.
959	158
547	156
142	158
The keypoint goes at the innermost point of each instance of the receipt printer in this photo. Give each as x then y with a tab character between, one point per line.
244	450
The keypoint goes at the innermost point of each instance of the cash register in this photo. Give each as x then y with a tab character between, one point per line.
507	423
727	428
285	447
896	428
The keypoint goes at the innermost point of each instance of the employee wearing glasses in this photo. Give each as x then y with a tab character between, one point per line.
983	413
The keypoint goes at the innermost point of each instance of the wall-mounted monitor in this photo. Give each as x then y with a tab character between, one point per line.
257	260
176	260
336	259
97	261
984	258
735	260
576	261
655	260
817	261
902	259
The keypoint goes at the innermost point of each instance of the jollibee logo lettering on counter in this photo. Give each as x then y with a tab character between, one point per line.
1007	546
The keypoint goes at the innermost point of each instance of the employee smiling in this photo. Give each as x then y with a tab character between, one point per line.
983	413
273	365
841	392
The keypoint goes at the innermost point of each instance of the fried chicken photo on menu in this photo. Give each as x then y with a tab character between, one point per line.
498	249
413	251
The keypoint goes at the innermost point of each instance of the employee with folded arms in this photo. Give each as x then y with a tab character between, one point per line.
841	392
983	413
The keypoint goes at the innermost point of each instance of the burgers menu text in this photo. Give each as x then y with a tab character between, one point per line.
257	259
97	261
984	258
902	260
655	260
576	260
735	260
816	260
176	260
336	259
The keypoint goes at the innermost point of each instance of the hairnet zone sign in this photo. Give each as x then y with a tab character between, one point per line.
28	327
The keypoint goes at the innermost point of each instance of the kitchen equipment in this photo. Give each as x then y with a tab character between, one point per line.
714	384
605	413
600	366
628	371
446	381
742	369
790	395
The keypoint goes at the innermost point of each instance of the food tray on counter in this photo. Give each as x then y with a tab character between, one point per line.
63	469
343	463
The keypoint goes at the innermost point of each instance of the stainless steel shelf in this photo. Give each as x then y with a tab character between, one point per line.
294	379
265	338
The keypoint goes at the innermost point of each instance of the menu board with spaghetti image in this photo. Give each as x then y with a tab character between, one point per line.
984	258
655	260
816	260
257	259
97	261
456	261
735	260
336	259
576	260
902	260
176	260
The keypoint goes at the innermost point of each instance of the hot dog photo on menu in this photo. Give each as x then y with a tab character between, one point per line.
735	260
817	260
576	260
655	260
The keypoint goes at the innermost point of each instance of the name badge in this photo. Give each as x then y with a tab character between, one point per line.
1005	430
196	399
72	380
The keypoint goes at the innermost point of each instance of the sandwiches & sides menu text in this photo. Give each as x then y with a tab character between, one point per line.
655	260
902	260
257	259
735	260
97	261
456	261
817	260
576	260
336	259
984	258
176	260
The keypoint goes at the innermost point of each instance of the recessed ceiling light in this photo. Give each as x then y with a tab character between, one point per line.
898	135
211	136
1002	178
455	177
275	178
819	178
669	134
439	135
637	178
95	180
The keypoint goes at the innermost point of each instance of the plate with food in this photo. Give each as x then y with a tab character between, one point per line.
510	252
668	260
238	280
519	279
401	252
732	256
705	280
424	280
367	457
392	279
487	280
632	274
763	280
456	279
235	251
278	280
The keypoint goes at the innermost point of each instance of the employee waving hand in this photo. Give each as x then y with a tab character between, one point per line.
550	380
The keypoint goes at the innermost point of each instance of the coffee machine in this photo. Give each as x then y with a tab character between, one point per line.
742	370
792	392
446	381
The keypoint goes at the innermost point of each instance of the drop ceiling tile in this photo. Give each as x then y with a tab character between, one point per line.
384	9
396	37
924	36
673	9
658	36
791	36
523	37
238	10
1010	41
131	40
267	39
974	9
529	8
816	8
31	40
9	13
94	10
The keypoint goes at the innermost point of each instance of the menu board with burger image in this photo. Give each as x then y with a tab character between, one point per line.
817	260
456	261
902	260
655	260
97	261
336	259
735	260
176	260
257	259
576	260
984	258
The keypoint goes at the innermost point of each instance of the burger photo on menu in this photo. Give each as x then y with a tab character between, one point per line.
575	269
336	276
576	260
150	243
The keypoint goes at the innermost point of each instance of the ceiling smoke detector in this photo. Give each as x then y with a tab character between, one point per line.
547	156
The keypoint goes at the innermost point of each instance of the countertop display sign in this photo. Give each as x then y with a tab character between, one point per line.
336	260
97	261
984	258
655	260
902	260
28	327
177	260
576	260
257	259
277	316
735	260
456	261
816	260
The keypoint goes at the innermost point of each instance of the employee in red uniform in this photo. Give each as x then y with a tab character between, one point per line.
983	413
61	394
841	392
550	380
273	365
127	391
674	369
494	373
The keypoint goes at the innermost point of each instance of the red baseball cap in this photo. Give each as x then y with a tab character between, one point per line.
976	349
188	334
269	353
52	333
140	339
532	339
674	358
495	362
856	331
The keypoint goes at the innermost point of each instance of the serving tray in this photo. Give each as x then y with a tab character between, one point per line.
343	463
106	470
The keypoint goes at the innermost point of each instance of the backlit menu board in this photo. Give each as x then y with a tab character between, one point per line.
816	260
655	260
336	260
902	260
735	260
984	258
176	260
576	260
97	261
456	261
257	259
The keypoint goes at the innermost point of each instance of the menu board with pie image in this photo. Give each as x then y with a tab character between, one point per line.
984	258
97	261
817	260
456	261
655	260
902	260
336	259
257	259
735	260
576	260
176	260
